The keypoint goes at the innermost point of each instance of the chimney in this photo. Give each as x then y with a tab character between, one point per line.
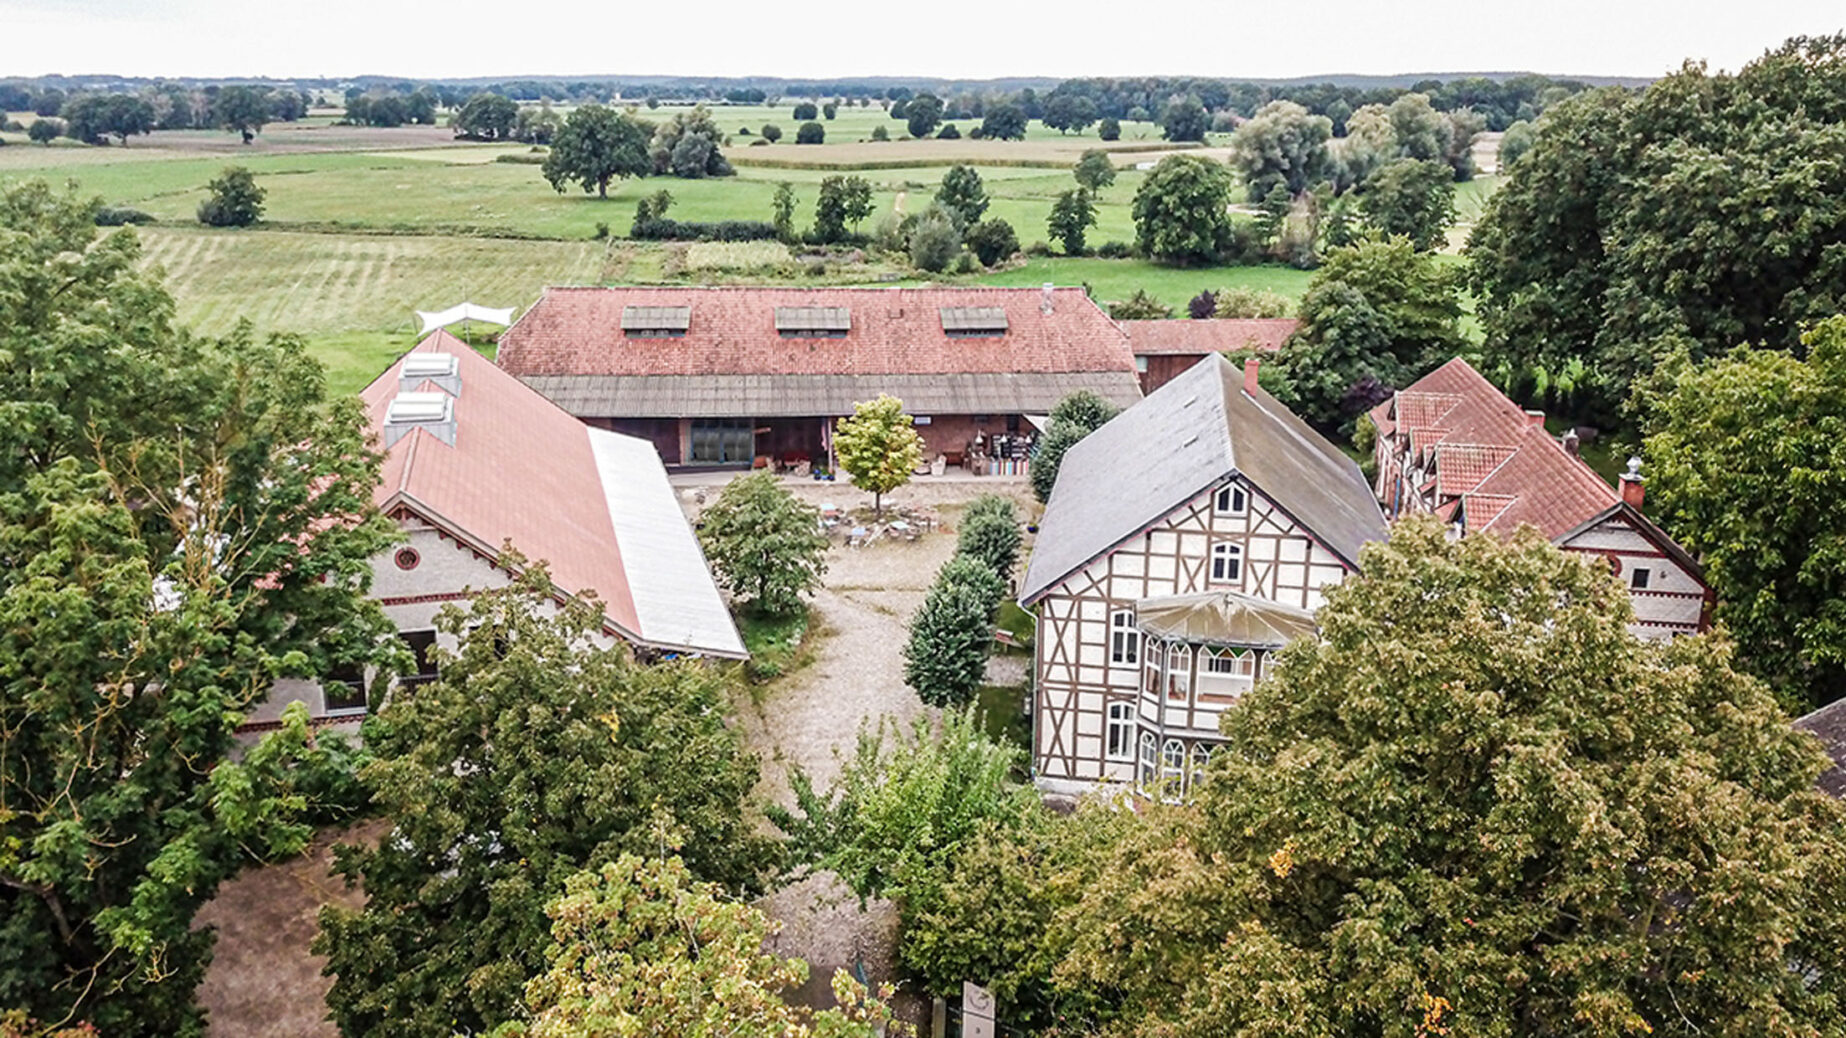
1536	418
1045	305
1569	442
408	412
1249	375
1633	487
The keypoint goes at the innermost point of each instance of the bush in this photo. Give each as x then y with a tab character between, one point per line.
811	133
1038	249
948	133
806	112
945	659
934	241
661	228
990	534
1110	129
44	131
760	142
1252	302
1115	250
1202	306
879	133
772	132
118	215
524	158
235	200
992	240
1140	307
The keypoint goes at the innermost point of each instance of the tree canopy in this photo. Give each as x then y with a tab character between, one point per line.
878	447
963	193
1179	210
1004	122
242	110
1705	212
1282	144
764	543
1747	467
597	144
533	756
488	115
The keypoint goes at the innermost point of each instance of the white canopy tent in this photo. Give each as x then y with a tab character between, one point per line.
463	312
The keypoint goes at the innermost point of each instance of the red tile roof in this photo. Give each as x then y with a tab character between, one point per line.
520	470
1503	464
732	331
1186	338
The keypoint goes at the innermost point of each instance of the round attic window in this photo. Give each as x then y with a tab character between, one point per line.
407	558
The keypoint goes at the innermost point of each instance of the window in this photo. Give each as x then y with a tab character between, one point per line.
1150	759
1638	579
1172	768
1232	501
1121	733
970	322
1124	640
1179	672
1226	563
421	643
656	322
1227	672
654	333
813	322
722	442
343	690
1201	757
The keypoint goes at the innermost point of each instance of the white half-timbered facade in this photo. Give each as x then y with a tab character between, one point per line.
1185	543
1452	445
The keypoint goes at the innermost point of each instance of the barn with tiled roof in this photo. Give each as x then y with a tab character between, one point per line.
1453	445
732	375
1165	348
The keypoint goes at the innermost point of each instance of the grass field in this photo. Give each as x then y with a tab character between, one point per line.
1115	280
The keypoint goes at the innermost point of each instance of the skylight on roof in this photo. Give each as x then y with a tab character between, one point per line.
824	322
418	408
429	365
656	322
973	321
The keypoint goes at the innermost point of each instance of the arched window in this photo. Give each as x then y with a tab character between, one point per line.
1150	760
1201	756
1226	672
1226	563
1232	501
1124	640
1172	768
1179	672
1121	731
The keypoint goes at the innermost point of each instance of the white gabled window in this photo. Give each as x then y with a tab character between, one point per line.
1124	640
1232	501
1179	672
1121	732
1227	672
1226	563
1150	759
1172	769
1201	757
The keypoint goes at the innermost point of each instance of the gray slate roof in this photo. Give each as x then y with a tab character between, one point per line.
1829	725
772	396
1224	618
1191	434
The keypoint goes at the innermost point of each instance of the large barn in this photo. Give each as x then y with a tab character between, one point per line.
741	376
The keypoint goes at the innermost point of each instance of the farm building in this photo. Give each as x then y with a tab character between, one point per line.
1454	445
474	460
1186	541
739	376
1163	349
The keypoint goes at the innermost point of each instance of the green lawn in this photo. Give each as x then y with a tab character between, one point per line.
1114	280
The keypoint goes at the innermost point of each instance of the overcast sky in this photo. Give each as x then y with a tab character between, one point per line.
954	38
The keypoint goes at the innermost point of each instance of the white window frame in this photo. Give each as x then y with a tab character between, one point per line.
1124	640
1179	672
1640	578
1150	759
1226	672
1226	564
1172	769
1196	762
1119	736
1231	500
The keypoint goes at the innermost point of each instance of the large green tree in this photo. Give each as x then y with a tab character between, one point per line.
1282	144
842	200
878	447
1072	216
1747	466
922	114
1707	211
963	193
182	521
489	115
764	543
641	947
1411	198
1477	804
534	756
243	110
952	632
1377	315
597	144
1072	418
1180	211
689	145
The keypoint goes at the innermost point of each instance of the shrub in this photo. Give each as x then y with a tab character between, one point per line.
521	159
811	133
1115	250
118	215
948	133
772	132
760	142
990	534
1110	129
1140	307
1038	249
661	228
992	240
1202	306
1252	302
235	200
44	131
879	133
934	241
945	659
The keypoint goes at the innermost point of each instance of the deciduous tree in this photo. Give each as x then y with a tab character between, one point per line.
935	240
843	200
1072	418
992	241
878	447
1004	122
533	756
1282	144
1094	171
1180	210
1411	198
1072	216
952	633
810	132
689	145
242	110
488	115
1184	119
596	145
922	114
963	193
233	199
764	543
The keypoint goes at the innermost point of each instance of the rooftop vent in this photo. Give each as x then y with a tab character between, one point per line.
444	369
962	322
813	322
408	412
656	322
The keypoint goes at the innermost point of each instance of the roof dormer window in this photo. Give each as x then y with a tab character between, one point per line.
813	322
656	322
973	322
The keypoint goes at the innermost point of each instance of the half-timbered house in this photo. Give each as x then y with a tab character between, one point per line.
1453	445
1185	542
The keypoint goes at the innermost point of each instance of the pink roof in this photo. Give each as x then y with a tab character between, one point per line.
1503	464
1186	338
520	470
732	331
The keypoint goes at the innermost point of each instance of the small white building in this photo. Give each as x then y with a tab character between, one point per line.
1185	542
475	460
